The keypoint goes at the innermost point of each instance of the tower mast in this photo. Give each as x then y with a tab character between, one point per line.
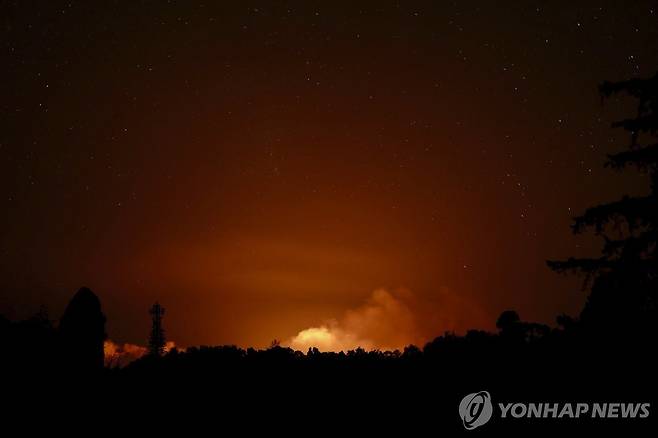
157	337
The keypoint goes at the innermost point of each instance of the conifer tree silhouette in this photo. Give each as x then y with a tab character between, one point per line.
157	337
624	279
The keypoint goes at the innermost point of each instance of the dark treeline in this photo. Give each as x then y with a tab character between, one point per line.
609	348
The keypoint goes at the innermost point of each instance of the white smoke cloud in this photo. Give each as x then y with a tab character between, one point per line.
391	320
329	337
385	321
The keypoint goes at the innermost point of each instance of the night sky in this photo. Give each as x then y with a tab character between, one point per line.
379	172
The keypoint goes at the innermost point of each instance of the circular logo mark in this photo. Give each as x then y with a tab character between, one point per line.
475	409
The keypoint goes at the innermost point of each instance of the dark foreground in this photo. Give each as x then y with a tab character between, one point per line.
225	389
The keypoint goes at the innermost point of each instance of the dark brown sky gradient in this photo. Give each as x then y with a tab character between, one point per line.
261	168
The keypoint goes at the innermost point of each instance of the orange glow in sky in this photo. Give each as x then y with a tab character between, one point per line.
345	177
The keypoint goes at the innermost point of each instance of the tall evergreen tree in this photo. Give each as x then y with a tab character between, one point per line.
82	332
157	337
623	279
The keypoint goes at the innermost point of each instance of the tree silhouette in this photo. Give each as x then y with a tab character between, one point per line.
82	331
507	320
623	279
157	337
